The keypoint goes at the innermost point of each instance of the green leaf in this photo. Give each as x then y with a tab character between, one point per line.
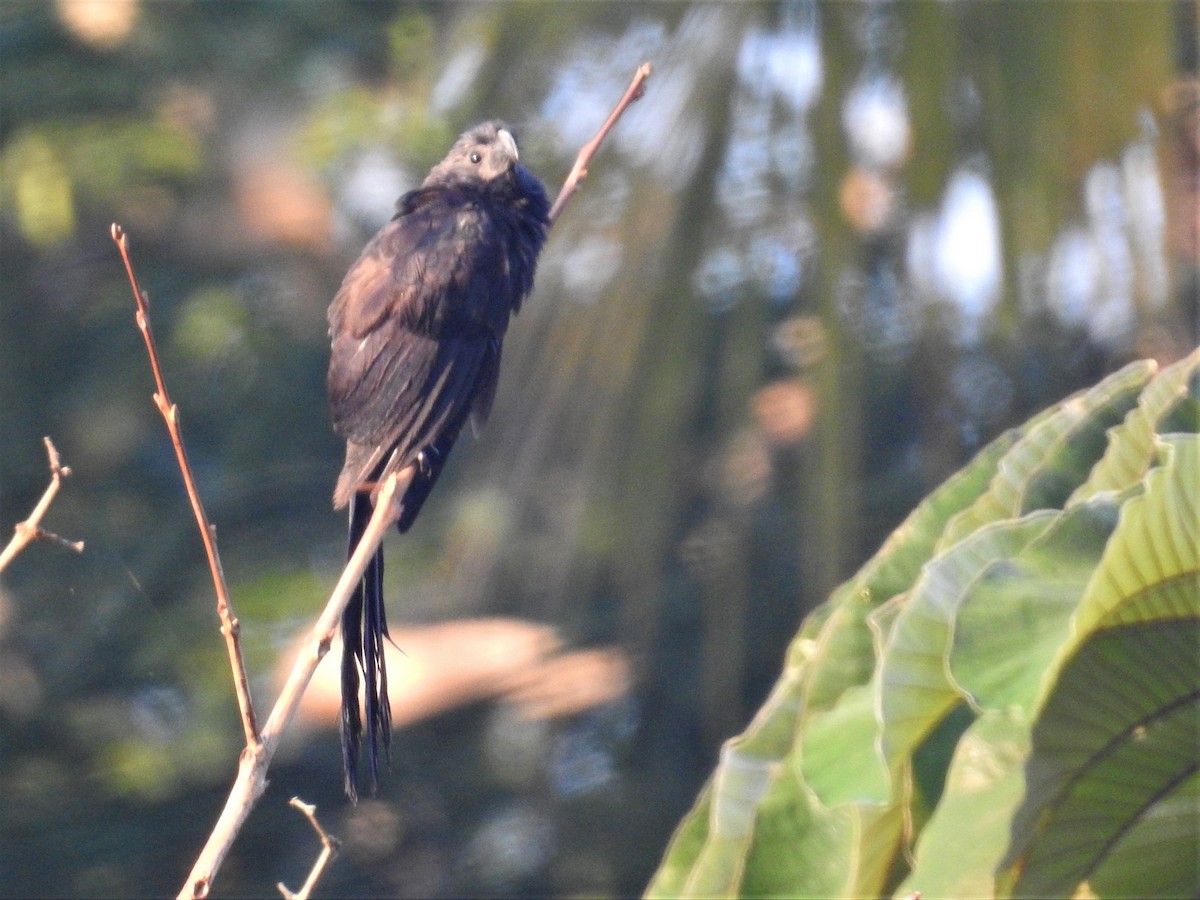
839	759
1117	732
879	861
1050	442
898	562
1131	445
1152	564
961	844
1158	854
1184	415
843	652
1117	735
710	858
739	787
1073	634
1012	622
1069	461
916	690
844	656
684	849
800	848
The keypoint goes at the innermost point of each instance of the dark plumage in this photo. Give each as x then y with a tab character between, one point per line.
416	329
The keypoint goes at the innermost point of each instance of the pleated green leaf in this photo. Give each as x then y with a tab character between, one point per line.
684	849
707	856
1151	568
845	657
839	759
915	687
800	848
1118	734
963	841
1006	698
1131	445
1168	832
1118	731
1015	618
1045	448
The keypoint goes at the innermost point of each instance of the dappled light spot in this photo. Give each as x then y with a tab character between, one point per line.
104	24
570	683
435	668
875	117
21	691
785	411
42	195
589	267
372	831
746	471
867	200
800	341
211	326
281	203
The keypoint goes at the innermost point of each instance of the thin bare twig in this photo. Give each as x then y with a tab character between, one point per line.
31	529
252	770
579	171
329	849
208	532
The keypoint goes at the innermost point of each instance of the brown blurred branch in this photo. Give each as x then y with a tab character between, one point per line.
329	849
579	171
31	529
208	532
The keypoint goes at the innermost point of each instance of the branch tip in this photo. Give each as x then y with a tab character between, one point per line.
200	880
31	529
329	849
637	88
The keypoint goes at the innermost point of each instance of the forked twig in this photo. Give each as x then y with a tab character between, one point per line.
31	529
579	171
252	768
329	849
208	532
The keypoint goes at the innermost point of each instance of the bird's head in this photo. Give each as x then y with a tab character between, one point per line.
485	153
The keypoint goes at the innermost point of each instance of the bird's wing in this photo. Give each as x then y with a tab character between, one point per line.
417	326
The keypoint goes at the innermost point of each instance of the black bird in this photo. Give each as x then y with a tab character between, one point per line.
416	331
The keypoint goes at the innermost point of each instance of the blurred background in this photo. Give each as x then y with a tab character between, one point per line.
836	249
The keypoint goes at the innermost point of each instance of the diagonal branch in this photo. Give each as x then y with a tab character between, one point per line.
579	171
31	529
252	770
208	532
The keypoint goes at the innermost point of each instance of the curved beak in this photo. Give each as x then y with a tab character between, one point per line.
508	142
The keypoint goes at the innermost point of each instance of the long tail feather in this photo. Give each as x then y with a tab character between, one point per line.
364	628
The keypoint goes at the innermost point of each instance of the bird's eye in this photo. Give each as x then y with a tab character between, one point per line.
475	157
